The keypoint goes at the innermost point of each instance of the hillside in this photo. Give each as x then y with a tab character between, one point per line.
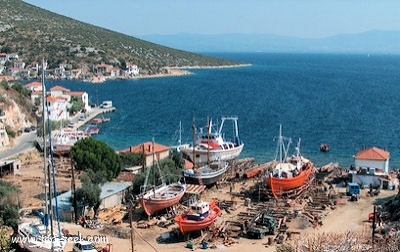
35	33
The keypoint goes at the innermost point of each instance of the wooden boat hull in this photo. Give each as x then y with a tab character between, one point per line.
205	176
61	149
279	186
161	198
203	156
186	225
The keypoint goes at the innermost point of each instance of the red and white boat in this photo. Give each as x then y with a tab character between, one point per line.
97	121
200	216
290	173
162	197
211	145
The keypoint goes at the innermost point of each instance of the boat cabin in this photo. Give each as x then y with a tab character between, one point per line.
198	211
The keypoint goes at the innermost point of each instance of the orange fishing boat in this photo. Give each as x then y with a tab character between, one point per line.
289	173
200	216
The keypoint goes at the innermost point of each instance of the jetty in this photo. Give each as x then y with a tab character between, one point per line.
76	122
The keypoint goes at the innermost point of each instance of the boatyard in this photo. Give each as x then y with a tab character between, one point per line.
322	208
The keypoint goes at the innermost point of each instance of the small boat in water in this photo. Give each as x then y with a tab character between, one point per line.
289	173
97	121
199	216
324	147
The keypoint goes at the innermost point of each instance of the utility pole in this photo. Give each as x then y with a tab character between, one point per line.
46	184
132	229
74	203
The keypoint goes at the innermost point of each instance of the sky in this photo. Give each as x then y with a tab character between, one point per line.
297	18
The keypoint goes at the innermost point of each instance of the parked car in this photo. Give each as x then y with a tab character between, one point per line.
27	129
83	246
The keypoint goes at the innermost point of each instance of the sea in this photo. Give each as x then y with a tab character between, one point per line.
349	101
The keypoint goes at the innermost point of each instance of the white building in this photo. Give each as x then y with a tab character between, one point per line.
372	168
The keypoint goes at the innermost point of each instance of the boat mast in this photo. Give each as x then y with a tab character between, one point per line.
194	143
46	184
281	148
208	140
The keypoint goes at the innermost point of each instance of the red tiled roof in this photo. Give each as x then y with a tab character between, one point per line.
77	93
34	84
51	99
60	88
147	147
373	153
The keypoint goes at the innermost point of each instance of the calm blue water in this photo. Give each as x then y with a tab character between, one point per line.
347	101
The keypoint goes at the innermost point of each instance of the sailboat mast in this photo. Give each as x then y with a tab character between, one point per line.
194	143
44	149
208	140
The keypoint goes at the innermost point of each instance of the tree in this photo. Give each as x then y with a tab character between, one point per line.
91	154
5	241
9	204
77	105
89	193
131	159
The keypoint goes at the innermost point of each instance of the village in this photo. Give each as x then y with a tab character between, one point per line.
12	68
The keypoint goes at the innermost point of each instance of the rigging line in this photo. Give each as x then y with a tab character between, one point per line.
155	249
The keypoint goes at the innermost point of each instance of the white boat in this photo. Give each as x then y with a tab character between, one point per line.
207	175
211	145
34	238
64	139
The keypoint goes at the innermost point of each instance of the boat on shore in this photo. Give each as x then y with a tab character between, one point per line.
35	239
289	173
156	198
211	145
64	139
162	197
199	216
207	175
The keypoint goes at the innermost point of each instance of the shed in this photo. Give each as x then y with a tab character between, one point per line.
112	194
11	166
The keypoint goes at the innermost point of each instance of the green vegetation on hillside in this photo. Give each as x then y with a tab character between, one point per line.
35	33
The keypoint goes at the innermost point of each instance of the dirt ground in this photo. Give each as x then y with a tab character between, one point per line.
348	216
